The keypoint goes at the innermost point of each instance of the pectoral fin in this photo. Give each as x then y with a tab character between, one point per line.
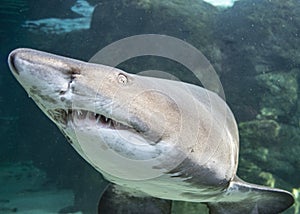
242	197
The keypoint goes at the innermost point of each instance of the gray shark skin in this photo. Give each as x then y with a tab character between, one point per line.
151	137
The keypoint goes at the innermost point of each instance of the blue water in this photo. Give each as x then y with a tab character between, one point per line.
253	46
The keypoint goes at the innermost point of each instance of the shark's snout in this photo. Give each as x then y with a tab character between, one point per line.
11	61
21	59
37	61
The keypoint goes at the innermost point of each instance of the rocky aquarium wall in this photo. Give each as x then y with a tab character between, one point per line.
253	45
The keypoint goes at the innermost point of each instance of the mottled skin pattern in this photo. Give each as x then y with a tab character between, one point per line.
188	132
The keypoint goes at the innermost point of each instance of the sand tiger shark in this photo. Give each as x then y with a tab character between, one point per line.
152	137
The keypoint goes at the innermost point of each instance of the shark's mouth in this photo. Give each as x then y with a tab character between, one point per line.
79	117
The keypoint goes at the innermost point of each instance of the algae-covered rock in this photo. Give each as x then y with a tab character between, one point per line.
280	93
270	147
260	43
192	21
265	33
268	177
179	207
263	130
257	37
296	193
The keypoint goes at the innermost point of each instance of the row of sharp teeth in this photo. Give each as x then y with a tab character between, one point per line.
63	116
82	114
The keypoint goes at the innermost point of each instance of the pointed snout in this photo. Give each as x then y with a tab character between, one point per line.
22	58
12	61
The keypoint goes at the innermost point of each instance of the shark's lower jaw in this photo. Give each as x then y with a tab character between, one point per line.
79	117
88	131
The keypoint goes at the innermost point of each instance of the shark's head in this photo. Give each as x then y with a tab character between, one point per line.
101	108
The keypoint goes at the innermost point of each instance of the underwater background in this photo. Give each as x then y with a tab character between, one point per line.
254	45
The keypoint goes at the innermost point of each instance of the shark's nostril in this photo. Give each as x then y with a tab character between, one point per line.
11	62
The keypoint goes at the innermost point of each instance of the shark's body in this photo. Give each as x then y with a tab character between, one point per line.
156	137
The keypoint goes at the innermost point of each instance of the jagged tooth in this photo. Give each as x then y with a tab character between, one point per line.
106	119
109	123
101	118
97	119
91	115
79	112
116	124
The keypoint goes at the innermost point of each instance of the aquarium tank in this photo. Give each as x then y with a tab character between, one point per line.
251	46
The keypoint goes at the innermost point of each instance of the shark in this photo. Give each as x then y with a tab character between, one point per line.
152	138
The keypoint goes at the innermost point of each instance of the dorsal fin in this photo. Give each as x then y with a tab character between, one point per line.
242	197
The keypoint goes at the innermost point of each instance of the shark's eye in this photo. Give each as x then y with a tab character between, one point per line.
122	79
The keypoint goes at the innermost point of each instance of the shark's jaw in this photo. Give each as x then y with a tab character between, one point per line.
82	125
75	122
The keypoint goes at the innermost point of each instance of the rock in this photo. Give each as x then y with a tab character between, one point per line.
255	41
263	130
296	193
280	94
191	21
268	146
179	207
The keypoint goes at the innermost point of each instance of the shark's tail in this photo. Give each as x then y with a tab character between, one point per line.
242	197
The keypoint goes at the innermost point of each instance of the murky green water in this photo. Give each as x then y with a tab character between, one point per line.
253	46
